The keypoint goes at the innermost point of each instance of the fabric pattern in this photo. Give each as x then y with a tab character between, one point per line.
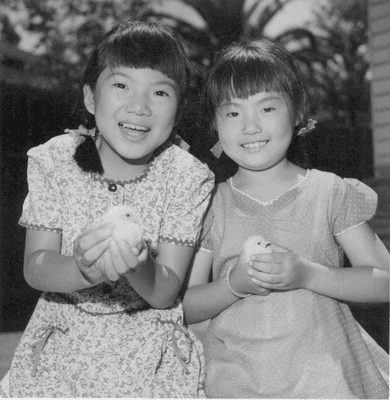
106	341
293	344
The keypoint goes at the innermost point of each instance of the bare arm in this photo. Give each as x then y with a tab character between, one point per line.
204	300
158	280
47	270
366	281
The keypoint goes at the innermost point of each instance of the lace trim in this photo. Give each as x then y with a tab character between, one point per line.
40	227
206	250
266	203
350	228
179	242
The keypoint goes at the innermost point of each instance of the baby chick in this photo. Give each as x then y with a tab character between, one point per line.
256	245
126	223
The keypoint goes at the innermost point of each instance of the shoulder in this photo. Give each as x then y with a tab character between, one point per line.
343	188
220	196
179	160
55	149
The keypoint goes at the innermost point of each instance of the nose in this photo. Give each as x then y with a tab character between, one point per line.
252	124
138	104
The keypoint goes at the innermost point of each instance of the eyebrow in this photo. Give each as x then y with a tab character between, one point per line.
123	75
267	98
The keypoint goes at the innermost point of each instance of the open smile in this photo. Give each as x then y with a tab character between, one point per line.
255	145
133	129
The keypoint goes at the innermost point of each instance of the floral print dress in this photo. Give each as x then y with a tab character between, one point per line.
291	344
106	341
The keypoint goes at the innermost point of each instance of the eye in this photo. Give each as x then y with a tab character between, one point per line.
161	93
268	109
120	85
232	114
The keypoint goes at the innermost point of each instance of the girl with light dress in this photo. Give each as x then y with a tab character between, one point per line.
109	322
279	325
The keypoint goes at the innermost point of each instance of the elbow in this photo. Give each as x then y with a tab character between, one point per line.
164	301
166	294
29	272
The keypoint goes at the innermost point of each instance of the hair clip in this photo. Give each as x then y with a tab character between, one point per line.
178	141
83	131
311	124
217	149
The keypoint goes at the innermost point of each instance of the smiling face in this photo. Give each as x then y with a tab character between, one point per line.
135	112
256	132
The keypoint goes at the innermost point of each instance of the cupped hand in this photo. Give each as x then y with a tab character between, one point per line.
280	270
241	281
88	250
121	259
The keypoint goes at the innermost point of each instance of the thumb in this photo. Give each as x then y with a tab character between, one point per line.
279	249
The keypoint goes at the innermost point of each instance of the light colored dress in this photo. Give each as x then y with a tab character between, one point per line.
292	344
106	341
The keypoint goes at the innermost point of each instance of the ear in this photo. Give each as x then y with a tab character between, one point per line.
89	101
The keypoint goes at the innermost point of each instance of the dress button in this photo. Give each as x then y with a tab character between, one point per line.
112	187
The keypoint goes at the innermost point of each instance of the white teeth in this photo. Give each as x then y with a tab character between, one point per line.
255	145
133	127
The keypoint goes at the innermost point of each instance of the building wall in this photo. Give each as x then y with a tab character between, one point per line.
379	41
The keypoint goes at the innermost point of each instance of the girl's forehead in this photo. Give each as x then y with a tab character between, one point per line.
260	96
137	73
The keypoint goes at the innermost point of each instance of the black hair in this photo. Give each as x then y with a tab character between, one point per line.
244	69
134	44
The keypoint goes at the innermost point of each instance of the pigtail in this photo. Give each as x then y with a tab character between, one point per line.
297	152
87	156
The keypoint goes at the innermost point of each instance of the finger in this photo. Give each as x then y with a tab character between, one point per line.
278	249
119	261
262	291
265	267
271	279
108	268
269	258
93	238
92	254
128	254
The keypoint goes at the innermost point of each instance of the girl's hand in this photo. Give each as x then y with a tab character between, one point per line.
280	270
121	259
241	281
88	249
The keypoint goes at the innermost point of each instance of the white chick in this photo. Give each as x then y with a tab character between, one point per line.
256	245
126	223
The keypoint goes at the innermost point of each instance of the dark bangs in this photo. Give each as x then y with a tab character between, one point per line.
245	70
142	45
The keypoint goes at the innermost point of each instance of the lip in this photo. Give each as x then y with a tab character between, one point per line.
133	131
255	145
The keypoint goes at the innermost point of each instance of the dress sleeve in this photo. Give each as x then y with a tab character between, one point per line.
205	240
184	215
41	208
355	204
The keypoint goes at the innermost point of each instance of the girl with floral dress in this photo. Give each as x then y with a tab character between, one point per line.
280	327
109	322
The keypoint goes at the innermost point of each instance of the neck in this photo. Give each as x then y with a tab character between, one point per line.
124	173
268	184
280	172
